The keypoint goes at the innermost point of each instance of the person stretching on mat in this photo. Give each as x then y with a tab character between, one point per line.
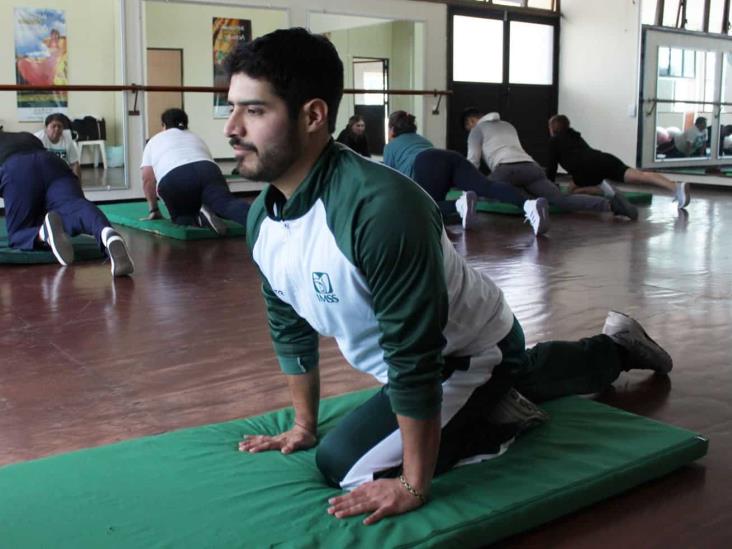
351	249
593	171
44	204
497	143
178	167
438	170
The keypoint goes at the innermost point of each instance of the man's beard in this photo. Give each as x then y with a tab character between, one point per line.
272	162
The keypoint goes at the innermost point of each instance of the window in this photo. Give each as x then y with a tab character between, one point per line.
531	53
477	49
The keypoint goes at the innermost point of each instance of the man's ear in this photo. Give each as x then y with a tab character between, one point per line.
316	115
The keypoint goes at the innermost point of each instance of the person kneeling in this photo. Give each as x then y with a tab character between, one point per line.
44	204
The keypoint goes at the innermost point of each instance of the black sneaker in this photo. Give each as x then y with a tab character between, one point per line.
54	235
119	257
208	219
620	206
516	409
645	353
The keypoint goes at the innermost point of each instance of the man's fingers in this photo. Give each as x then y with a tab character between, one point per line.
376	516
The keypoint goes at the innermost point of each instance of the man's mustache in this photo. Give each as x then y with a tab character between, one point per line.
235	141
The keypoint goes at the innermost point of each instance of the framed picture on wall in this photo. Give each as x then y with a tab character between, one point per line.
227	33
41	59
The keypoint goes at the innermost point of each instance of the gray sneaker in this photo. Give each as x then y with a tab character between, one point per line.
54	235
514	408
119	257
208	219
682	196
645	353
620	206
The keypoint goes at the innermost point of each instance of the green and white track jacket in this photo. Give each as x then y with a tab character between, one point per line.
359	253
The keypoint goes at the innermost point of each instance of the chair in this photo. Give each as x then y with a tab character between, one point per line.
100	149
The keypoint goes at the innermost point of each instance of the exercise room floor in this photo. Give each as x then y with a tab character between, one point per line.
86	360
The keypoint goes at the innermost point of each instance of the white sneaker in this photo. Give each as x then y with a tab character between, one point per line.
682	196
465	206
607	189
208	219
119	257
537	213
53	234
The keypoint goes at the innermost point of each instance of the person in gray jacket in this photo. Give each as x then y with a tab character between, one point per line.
497	143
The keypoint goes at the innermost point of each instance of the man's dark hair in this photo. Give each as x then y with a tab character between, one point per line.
471	112
299	65
58	117
700	120
175	118
402	122
560	122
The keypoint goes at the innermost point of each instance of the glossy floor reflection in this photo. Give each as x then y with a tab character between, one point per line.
86	360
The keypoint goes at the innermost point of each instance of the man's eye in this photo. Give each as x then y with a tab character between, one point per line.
255	112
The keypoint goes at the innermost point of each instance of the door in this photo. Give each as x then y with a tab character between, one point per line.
504	62
164	68
372	74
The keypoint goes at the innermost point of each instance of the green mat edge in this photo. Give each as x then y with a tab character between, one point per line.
179	232
562	503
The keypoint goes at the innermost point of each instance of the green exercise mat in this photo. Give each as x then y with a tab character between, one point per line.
130	214
492	206
85	248
192	488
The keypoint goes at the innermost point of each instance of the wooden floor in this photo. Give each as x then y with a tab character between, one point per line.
86	360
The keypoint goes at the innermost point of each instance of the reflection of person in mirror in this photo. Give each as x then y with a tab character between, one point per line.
693	140
354	135
725	143
595	172
56	137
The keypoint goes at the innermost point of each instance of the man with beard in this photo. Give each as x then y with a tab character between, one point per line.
351	249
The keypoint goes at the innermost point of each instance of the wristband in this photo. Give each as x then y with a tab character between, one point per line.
409	488
306	429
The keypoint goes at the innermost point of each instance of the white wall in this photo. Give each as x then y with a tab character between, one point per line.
598	72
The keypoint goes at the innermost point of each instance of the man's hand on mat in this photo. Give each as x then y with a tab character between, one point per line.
384	497
290	441
152	216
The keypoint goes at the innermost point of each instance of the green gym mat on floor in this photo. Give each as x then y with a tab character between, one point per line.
85	248
192	488
492	206
130	214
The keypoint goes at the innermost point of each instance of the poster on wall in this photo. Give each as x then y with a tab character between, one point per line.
227	33
40	59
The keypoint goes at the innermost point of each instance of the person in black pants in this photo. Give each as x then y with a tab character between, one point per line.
593	171
178	166
438	170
